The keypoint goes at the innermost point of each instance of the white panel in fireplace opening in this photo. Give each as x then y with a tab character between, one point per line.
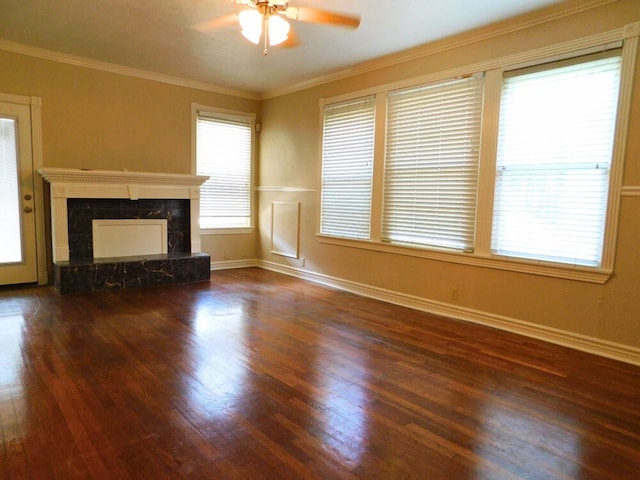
124	238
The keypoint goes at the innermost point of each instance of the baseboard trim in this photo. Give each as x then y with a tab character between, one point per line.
616	351
230	264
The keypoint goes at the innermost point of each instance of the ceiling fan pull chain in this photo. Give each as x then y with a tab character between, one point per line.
265	29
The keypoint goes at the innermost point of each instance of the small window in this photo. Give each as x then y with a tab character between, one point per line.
347	168
431	164
555	141
224	152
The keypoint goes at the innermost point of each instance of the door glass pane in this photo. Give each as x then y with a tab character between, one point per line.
10	240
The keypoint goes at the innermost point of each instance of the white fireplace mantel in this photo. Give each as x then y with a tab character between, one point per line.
77	183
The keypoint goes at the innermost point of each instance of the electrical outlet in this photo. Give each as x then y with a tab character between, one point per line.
454	293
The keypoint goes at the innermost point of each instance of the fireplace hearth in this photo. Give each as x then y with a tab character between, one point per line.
82	276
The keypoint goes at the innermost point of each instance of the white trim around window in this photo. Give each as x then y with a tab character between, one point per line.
482	255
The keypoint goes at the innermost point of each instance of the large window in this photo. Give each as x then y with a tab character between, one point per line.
224	152
517	167
554	157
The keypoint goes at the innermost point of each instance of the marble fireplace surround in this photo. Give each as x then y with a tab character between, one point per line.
82	273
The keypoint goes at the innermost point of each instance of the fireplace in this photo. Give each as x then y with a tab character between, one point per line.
147	226
83	213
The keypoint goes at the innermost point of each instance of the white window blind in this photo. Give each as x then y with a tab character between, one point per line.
431	164
347	168
223	151
555	142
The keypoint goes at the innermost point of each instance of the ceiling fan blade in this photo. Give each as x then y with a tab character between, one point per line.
314	15
292	40
216	22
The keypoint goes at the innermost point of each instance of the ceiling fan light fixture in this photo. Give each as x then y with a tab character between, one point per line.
251	23
278	30
266	21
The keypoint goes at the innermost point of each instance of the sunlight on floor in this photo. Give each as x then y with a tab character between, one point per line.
220	369
344	402
543	439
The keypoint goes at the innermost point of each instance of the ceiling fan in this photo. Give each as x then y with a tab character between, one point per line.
266	20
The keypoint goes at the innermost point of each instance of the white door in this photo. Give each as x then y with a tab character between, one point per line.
18	261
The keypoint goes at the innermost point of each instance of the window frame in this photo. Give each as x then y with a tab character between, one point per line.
482	256
198	110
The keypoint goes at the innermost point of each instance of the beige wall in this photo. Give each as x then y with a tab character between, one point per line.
100	120
94	119
289	157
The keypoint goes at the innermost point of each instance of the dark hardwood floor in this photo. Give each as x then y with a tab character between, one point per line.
262	376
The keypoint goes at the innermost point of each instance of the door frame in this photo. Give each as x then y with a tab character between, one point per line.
35	106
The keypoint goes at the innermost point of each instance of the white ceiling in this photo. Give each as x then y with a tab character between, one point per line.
156	35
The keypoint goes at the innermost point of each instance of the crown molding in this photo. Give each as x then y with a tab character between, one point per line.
77	61
484	33
473	36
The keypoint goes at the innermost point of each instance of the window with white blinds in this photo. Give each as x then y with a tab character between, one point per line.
347	168
224	153
517	167
555	142
431	164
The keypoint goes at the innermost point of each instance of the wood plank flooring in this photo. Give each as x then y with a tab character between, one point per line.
263	376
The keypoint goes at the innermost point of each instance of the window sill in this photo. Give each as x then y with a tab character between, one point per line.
547	269
226	231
